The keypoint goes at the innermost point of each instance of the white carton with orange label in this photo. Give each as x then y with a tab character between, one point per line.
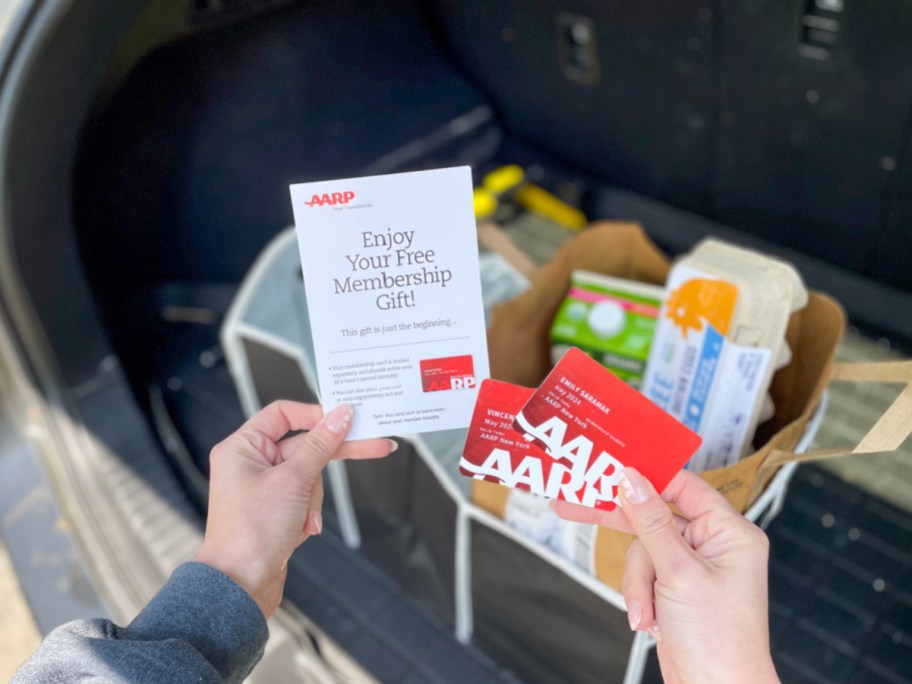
720	337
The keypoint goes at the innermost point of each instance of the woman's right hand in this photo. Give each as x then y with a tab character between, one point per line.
697	583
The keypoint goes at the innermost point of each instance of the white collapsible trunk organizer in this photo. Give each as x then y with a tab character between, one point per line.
268	344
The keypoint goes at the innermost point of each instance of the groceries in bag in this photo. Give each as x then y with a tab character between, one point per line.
611	319
720	338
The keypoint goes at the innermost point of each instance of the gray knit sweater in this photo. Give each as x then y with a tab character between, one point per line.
201	627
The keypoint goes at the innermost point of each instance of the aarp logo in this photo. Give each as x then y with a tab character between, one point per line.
331	199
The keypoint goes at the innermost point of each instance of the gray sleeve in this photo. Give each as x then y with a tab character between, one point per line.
201	627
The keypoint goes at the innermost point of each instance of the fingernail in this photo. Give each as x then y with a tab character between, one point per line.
634	614
634	486
338	419
393	445
654	632
316	522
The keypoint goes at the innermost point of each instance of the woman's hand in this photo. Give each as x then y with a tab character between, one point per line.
266	493
698	584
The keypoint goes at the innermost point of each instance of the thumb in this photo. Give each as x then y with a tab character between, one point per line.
308	454
654	523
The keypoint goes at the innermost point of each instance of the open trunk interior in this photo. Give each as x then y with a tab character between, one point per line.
162	137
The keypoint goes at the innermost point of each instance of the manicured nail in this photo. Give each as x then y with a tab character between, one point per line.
654	632
315	522
393	445
634	486
338	419
634	614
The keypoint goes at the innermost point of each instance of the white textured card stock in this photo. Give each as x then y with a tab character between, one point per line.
394	294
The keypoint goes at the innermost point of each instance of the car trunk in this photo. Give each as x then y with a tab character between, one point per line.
150	145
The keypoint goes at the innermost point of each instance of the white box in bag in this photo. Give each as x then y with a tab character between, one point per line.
721	335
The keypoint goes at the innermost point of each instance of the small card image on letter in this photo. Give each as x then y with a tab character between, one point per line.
450	373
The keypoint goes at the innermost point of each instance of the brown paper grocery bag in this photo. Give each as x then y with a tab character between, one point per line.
519	348
887	434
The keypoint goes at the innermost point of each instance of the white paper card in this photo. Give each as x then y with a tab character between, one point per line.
394	294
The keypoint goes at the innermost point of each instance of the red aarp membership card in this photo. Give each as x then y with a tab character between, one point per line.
494	451
592	424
